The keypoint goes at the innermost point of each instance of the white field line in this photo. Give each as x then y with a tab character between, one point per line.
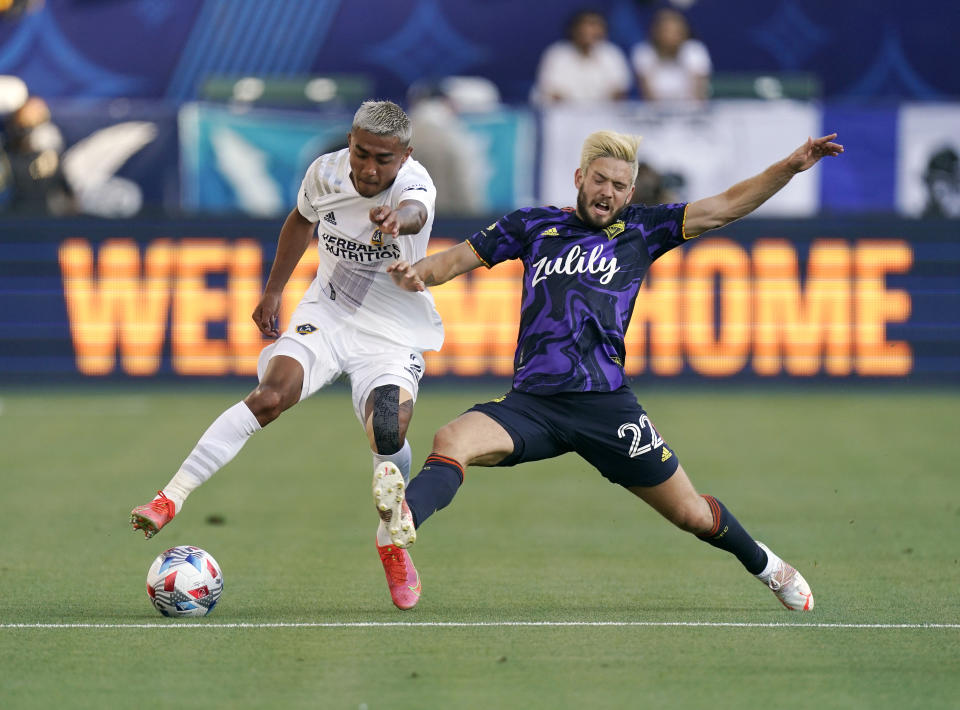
480	624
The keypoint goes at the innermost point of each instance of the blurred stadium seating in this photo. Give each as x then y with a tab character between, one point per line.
315	60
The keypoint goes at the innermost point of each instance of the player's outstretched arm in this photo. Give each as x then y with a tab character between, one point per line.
744	197
435	269
295	236
408	218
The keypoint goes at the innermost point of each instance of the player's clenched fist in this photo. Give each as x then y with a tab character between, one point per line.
405	276
386	219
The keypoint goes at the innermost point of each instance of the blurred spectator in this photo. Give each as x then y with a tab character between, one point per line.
652	188
583	68
942	179
446	148
13	94
671	66
471	94
34	147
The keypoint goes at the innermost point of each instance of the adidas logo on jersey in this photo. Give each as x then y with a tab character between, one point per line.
667	453
552	232
329	217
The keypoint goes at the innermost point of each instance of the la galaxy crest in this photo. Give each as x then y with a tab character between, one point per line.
306	328
614	229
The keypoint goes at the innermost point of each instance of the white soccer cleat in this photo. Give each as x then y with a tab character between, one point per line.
787	584
388	495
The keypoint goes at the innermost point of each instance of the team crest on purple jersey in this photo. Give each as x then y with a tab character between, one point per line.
580	284
614	229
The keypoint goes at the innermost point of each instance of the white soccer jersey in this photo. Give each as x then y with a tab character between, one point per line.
354	254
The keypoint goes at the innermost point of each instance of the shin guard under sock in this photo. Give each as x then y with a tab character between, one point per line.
728	534
434	487
216	448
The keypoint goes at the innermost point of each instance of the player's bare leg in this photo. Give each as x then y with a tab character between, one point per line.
388	411
473	439
279	390
678	501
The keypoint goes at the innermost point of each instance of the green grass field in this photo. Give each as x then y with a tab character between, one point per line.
859	488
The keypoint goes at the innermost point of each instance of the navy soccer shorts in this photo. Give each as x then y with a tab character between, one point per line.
608	429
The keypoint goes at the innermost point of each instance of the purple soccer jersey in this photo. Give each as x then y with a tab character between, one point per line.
580	284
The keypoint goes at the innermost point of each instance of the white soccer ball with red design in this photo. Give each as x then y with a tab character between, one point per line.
184	581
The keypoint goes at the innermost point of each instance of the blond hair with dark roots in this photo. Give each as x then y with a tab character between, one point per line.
610	144
383	118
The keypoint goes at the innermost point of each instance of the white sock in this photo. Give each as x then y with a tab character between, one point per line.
216	448
773	564
401	460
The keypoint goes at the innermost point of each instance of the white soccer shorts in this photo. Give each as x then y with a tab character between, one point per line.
328	347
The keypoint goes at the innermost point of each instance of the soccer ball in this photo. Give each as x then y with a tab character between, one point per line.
184	581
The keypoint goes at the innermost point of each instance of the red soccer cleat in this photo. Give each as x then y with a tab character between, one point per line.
153	516
402	577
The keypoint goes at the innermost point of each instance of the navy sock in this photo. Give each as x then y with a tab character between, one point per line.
728	534
434	487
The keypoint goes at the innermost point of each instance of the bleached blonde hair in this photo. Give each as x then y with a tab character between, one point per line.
383	118
609	144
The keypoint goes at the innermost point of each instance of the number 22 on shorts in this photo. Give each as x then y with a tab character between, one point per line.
637	447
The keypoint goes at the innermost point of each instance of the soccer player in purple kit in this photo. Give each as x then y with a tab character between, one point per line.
582	271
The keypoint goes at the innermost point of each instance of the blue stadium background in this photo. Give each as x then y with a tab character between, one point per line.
886	68
163	50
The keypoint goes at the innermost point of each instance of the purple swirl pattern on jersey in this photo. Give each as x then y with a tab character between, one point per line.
579	288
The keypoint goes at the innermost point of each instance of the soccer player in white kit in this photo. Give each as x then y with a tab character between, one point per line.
371	205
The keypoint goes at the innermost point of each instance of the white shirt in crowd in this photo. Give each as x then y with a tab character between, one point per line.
354	254
672	79
580	78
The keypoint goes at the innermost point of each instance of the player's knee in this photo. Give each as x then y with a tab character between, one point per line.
691	518
267	403
446	441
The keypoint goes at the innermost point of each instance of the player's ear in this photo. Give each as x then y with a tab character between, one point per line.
578	178
406	154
